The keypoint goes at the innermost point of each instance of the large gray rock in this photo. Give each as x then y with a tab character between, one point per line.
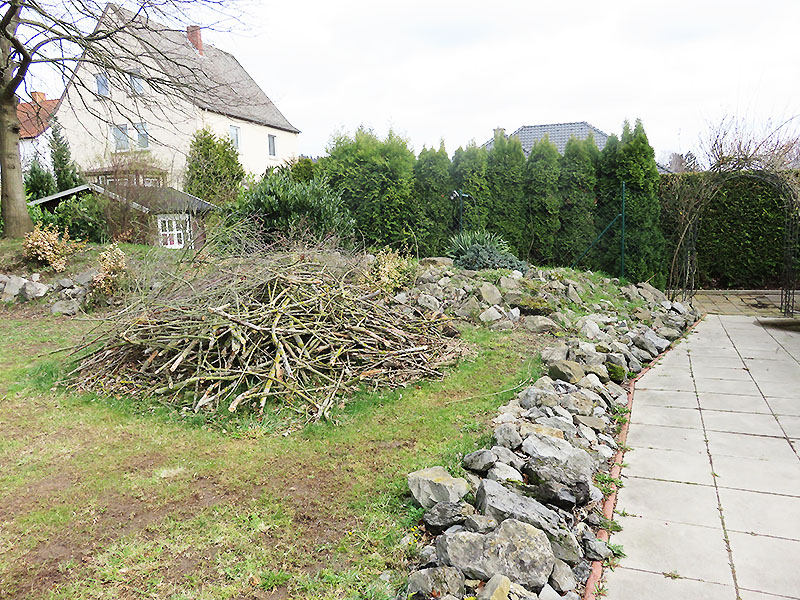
643	343
600	370
509	283
494	500
540	324
469	309
506	435
659	342
573	295
490	294
566	370
577	403
657	294
554	353
435	583
515	549
561	579
588	328
436	261
496	588
12	288
507	457
479	461
429	302
435	484
65	307
532	396
85	278
446	514
560	473
480	523
491	315
503	472
33	290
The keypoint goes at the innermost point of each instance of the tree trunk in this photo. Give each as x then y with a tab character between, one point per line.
16	220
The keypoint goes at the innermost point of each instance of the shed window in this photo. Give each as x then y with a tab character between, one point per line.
102	84
271	139
173	231
234	133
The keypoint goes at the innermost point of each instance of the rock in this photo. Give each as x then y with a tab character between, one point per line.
588	328
643	356
532	397
490	294
504	325
504	472
497	588
630	292
515	549
669	333
541	447
479	461
32	290
556	466
561	579
506	435
65	307
401	298
85	278
657	294
480	523
595	423
554	353
548	593
573	295
577	404
507	457
491	314
659	342
494	500
540	324
596	549
567	370
429	302
65	282
436	261
514	314
446	514
616	372
435	583
600	370
514	297
518	592
679	308
525	429
509	283
469	309
12	288
434	484
582	570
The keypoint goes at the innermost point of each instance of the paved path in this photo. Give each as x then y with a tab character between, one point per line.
761	303
715	432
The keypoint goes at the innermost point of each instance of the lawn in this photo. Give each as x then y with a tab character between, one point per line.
121	498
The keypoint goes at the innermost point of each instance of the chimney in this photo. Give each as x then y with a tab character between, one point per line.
193	33
38	97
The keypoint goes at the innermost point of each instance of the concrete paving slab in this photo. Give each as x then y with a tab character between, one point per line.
764	514
734	403
766	564
666	547
750	447
738	422
629	584
665	398
791	425
667	438
688	467
674	502
770	476
674	417
779	389
716	372
785	406
723	386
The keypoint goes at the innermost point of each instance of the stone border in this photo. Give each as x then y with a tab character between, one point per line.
610	503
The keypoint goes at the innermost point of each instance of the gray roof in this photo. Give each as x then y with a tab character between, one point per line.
158	200
559	134
214	81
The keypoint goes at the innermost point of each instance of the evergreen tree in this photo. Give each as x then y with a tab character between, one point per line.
468	174
39	182
432	187
609	205
213	170
543	201
576	185
644	240
303	169
505	174
67	175
375	178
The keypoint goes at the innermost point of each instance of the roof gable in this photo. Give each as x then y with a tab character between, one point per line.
558	133
34	117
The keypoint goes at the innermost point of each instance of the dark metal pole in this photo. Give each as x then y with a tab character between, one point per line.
460	210
622	261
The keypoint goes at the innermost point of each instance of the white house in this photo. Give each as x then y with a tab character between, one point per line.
34	132
116	123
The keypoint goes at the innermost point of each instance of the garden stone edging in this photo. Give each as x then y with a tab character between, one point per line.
551	441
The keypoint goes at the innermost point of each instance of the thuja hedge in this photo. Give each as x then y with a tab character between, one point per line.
740	237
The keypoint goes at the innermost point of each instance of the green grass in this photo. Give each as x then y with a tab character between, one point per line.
122	497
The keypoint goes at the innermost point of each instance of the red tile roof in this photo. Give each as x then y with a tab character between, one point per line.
34	117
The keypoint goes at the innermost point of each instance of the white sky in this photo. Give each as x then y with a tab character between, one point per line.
456	70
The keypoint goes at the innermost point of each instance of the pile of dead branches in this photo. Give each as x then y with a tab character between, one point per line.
290	334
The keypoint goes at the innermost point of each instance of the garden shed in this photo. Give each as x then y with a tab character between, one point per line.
162	216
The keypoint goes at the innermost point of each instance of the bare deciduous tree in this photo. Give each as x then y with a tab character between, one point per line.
134	40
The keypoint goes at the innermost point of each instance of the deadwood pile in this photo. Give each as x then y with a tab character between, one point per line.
253	335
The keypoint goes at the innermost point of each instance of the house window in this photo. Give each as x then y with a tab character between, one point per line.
137	83
119	134
143	139
271	139
101	79
234	134
173	231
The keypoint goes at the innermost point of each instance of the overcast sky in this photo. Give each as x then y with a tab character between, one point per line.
437	70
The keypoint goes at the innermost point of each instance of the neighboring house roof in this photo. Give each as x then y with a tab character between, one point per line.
34	117
558	133
158	200
215	79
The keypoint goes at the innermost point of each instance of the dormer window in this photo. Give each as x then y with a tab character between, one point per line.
101	79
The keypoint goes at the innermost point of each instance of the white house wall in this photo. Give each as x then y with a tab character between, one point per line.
39	148
254	141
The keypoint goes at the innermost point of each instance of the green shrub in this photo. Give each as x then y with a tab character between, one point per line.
39	182
461	242
279	203
478	257
84	216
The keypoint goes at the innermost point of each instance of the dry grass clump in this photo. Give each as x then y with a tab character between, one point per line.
47	245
